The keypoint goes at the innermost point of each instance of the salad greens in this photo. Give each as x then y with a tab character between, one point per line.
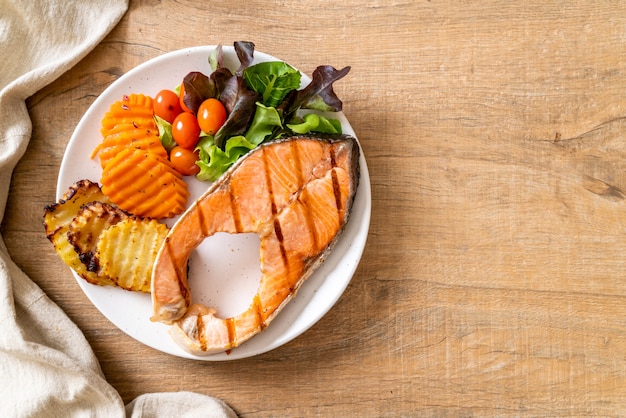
165	133
272	80
262	103
312	122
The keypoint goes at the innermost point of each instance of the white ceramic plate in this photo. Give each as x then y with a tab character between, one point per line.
231	257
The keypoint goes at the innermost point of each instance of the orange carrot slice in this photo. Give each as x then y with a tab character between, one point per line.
125	135
135	109
144	184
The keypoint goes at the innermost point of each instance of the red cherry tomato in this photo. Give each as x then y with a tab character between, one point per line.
184	160
185	130
166	105
211	116
181	96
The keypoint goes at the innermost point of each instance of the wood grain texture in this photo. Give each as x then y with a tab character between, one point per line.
493	278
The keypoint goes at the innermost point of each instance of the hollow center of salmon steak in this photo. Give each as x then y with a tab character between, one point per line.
224	272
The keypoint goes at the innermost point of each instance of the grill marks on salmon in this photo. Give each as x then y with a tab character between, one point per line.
296	194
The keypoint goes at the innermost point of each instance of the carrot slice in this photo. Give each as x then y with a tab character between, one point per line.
135	109
144	184
125	135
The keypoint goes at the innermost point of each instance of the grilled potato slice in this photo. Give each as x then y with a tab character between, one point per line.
127	250
59	216
86	227
102	243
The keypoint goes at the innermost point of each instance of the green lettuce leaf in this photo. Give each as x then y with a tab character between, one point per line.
272	80
165	133
313	122
214	161
265	122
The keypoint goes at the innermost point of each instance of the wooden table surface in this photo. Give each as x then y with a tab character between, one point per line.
492	282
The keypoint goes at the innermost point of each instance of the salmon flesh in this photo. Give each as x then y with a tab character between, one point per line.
296	194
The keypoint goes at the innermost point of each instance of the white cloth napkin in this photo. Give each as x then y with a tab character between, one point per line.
47	367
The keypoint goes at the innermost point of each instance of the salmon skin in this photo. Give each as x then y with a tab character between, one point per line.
296	194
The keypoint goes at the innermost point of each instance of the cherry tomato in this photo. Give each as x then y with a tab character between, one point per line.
184	160
185	130
211	116
166	105
181	95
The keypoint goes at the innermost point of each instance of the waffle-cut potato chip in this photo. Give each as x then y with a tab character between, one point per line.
58	217
86	227
102	243
127	250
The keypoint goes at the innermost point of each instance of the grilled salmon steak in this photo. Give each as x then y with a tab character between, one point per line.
296	194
